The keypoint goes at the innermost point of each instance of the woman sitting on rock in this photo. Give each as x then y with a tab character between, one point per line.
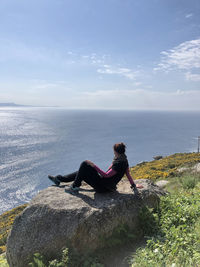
98	179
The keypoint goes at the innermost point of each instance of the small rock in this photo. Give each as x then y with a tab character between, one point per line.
157	157
162	183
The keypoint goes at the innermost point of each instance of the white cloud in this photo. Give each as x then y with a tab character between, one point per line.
187	16
125	72
184	57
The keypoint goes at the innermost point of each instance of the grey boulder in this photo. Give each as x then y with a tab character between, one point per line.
54	219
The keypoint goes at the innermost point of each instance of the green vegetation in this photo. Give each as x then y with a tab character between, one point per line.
6	222
3	261
72	260
165	167
173	229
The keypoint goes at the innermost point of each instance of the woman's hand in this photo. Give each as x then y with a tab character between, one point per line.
139	186
90	163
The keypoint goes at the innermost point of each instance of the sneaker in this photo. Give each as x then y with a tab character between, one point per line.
54	179
74	188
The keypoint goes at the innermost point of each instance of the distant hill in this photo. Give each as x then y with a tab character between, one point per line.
11	105
19	105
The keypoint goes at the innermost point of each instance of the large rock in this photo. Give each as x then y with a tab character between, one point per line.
54	219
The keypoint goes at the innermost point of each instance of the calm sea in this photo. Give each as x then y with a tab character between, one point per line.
35	142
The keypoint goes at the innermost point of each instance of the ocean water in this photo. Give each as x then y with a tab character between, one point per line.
35	142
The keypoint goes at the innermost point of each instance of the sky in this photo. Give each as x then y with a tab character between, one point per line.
101	54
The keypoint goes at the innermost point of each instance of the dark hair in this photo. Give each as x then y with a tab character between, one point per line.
119	148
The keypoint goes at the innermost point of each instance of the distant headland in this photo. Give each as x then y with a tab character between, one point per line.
12	105
20	105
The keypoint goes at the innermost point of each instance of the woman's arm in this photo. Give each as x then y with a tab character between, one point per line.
109	167
129	177
131	180
107	174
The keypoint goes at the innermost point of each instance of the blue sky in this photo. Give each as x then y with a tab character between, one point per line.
102	54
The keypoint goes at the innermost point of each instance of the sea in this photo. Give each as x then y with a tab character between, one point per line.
35	142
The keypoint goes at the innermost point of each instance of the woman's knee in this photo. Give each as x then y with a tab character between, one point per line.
84	163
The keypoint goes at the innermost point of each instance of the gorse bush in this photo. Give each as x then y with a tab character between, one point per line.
6	221
3	261
173	237
165	167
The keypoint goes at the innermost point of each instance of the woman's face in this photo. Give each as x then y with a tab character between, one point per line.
115	153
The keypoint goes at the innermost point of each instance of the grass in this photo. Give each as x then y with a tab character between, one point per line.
184	180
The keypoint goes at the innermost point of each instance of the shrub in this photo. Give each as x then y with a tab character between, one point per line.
3	261
189	181
165	167
6	221
69	258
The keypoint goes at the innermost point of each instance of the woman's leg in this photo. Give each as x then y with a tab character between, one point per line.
88	174
59	178
67	178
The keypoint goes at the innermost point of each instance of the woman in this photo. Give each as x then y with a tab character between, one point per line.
101	181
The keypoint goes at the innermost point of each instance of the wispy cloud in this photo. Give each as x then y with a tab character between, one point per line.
185	56
96	59
89	59
48	85
187	16
125	72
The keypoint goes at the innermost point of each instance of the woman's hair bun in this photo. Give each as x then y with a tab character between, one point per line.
120	148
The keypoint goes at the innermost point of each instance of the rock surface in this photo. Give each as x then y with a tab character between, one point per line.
55	219
162	183
193	169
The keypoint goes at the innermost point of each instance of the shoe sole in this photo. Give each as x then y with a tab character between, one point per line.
50	178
